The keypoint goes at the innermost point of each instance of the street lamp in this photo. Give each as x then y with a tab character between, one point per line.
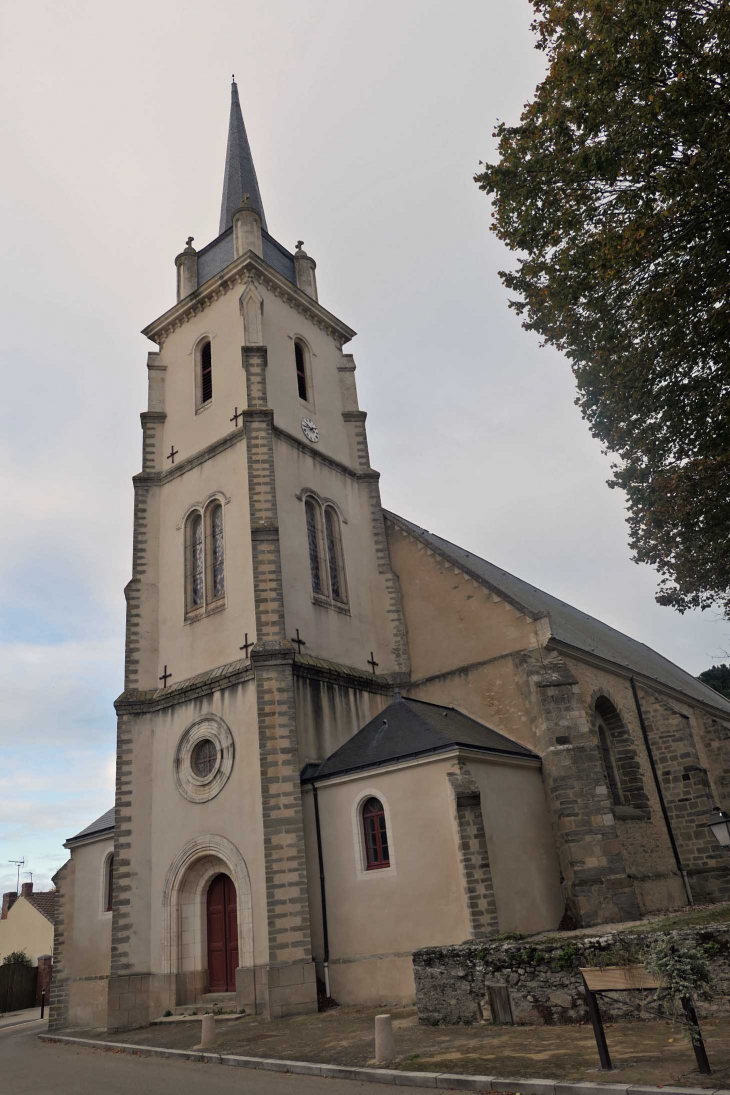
719	826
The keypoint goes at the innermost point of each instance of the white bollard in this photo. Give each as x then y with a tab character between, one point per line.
384	1044
207	1034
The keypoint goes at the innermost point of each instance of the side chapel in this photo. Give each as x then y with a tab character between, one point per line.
342	737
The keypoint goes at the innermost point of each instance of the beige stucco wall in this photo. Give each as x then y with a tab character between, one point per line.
192	645
522	855
26	929
92	923
341	636
377	918
329	714
87	932
415	902
493	693
221	322
164	823
281	325
452	620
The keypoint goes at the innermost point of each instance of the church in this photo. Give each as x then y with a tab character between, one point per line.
341	736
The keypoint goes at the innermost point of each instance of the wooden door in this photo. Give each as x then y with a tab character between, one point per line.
222	935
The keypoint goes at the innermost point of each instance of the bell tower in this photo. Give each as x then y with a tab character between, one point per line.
264	624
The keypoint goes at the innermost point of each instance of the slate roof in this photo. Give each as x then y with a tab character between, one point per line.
411	728
101	825
45	902
569	625
240	173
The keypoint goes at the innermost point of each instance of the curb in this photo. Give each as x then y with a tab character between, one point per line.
442	1081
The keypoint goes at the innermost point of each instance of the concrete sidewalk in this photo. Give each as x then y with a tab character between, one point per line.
422	1081
16	1018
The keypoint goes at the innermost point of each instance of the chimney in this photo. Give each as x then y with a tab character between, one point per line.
26	889
9	900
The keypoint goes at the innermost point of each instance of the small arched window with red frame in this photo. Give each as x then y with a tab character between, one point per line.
376	835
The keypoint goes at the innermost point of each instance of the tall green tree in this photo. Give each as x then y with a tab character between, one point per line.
614	191
718	677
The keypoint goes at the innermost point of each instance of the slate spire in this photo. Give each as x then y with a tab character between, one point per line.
240	175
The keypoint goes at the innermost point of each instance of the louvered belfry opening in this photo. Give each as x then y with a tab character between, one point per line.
206	373
301	370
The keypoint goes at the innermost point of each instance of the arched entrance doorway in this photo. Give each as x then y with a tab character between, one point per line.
222	920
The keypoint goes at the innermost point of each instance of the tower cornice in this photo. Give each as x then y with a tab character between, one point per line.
249	267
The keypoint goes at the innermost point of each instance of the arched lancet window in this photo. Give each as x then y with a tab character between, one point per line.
205	578
214	551
301	363
197	560
326	557
314	539
108	896
205	373
620	758
334	555
376	835
604	739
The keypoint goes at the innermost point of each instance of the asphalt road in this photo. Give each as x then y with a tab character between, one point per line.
30	1067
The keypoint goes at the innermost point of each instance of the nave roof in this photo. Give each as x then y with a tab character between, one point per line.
568	624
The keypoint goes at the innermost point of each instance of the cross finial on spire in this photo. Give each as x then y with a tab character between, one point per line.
189	241
300	244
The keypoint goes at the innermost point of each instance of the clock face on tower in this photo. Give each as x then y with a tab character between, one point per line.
309	429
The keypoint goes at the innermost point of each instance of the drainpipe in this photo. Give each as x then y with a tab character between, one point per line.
323	895
660	793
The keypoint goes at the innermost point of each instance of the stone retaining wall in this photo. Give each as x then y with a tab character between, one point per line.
541	982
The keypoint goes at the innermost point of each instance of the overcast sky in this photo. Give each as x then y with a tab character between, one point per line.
367	120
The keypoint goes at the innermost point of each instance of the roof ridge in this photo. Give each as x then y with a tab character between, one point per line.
39	906
421	719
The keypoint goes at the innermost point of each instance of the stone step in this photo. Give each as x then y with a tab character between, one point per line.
187	1014
218	998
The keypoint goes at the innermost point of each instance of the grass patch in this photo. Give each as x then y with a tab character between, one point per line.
700	918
